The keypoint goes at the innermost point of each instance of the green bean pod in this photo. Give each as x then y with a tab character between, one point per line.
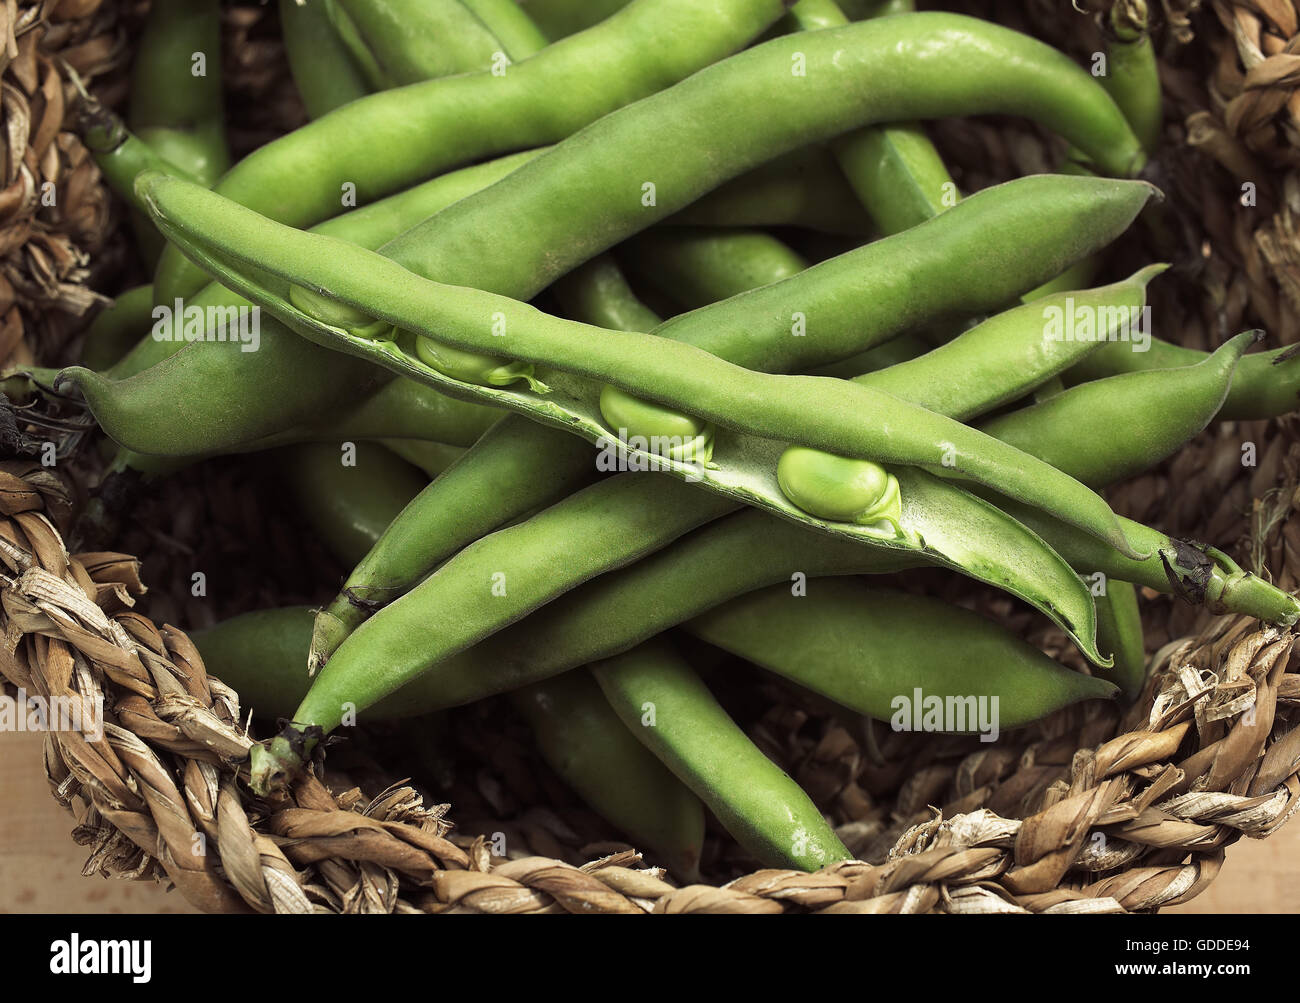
260	655
561	18
1008	355
397	42
804	188
1115	428
831	415
510	25
869	649
672	712
922	64
1132	76
1265	385
1119	632
369	226
392	648
370	143
517	466
497	580
117	329
322	68
585	742
175	104
1048	220
347	505
696	266
434	458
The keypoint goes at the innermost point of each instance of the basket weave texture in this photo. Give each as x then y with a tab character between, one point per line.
1093	810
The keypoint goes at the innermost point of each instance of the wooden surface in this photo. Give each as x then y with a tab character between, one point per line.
40	865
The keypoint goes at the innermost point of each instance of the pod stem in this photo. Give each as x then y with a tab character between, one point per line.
272	765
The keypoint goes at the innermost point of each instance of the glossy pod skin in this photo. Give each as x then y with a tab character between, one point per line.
260	656
323	70
923	64
1265	385
260	394
1132	77
396	42
758	804
804	188
864	648
370	226
116	330
510	25
583	740
1119	633
517	466
347	506
824	414
696	266
298	178
1158	411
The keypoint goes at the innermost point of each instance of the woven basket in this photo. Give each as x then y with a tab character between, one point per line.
940	824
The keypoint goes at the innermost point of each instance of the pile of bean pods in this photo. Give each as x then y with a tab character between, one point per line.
592	334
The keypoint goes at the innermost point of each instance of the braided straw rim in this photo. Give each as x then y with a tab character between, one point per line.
1138	821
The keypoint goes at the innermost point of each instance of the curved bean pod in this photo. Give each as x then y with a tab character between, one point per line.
348	507
117	329
865	648
1008	355
1265	385
585	742
260	655
853	420
397	42
321	66
432	457
1119	632
1158	411
758	804
511	26
696	266
854	76
1132	77
459	119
